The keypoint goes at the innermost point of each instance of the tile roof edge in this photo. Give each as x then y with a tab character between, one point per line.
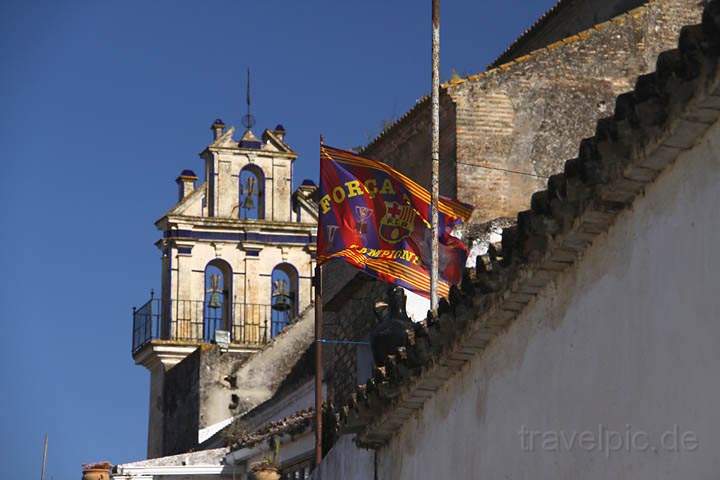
301	419
580	36
540	21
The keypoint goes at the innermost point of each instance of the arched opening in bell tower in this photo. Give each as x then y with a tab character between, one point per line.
284	297
217	305
251	203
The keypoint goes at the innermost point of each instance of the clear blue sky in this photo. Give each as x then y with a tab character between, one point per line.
102	104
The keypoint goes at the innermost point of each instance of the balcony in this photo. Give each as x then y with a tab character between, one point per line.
196	321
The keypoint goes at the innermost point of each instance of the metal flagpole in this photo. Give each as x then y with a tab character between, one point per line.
435	188
44	460
318	365
318	359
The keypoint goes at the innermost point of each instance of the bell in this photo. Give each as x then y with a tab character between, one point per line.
248	203
282	303
215	300
250	185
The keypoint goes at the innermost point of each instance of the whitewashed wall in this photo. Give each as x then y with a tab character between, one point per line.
627	341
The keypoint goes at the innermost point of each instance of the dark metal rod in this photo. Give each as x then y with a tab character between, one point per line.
435	183
248	95
342	342
318	365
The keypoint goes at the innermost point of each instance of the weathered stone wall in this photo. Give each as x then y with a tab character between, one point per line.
256	380
215	384
198	393
181	405
210	386
351	322
407	147
516	125
565	18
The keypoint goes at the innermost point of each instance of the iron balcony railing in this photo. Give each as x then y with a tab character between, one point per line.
197	321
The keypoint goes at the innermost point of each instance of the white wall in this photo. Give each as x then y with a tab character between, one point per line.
628	340
347	462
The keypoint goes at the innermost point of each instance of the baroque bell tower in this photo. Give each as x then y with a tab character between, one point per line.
237	256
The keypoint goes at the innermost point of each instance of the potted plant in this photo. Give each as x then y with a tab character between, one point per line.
96	471
268	468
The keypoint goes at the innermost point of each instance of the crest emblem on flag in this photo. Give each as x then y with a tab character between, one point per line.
362	215
397	223
331	229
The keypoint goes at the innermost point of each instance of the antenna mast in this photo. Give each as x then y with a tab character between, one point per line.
248	91
248	120
44	460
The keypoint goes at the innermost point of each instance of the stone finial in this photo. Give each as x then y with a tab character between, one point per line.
279	132
186	183
218	127
307	187
97	471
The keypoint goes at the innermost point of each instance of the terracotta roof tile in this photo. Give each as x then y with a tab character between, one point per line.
291	425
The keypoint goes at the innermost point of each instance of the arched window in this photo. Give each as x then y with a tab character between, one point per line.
251	204
217	305
284	301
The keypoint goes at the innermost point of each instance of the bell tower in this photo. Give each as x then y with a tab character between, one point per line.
237	256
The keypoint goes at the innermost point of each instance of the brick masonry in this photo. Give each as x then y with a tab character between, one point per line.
529	115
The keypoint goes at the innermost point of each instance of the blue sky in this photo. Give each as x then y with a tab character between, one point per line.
103	103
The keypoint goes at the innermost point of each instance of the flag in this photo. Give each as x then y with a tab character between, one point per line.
377	219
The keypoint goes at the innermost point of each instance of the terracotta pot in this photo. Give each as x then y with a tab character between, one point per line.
96	474
265	474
